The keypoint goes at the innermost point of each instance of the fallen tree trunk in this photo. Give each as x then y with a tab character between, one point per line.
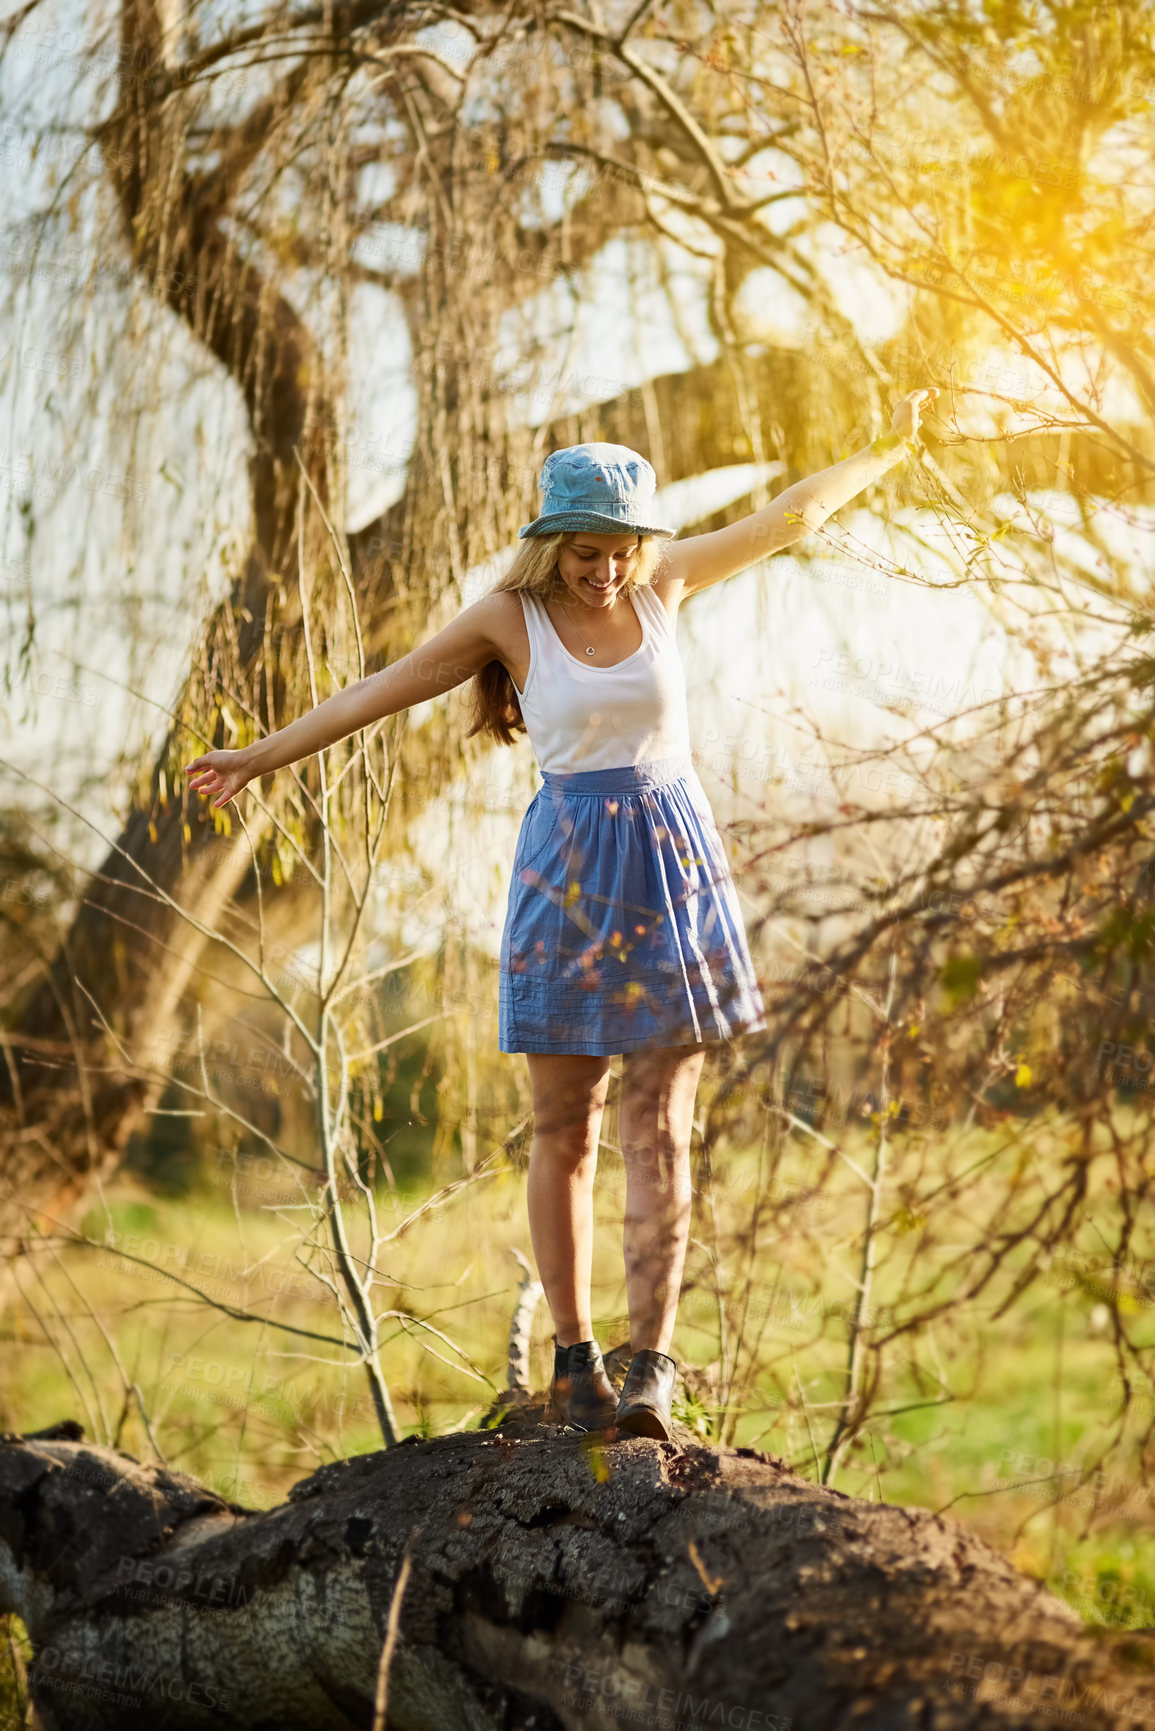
554	1583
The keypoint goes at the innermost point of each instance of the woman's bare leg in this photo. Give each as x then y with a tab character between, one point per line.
655	1120
569	1092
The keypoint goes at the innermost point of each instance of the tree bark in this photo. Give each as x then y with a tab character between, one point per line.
556	1582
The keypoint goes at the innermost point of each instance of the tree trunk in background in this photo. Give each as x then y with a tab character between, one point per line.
66	1114
554	1584
139	946
133	952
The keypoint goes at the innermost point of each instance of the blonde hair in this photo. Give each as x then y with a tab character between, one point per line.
534	571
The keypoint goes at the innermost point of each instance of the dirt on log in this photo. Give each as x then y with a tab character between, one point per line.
556	1581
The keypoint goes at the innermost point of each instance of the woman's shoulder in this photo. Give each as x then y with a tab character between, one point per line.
502	610
501	604
507	624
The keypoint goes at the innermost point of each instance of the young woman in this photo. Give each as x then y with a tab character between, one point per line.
623	934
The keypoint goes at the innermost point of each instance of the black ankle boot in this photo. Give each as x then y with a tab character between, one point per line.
644	1408
581	1393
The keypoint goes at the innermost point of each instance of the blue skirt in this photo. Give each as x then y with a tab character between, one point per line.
623	928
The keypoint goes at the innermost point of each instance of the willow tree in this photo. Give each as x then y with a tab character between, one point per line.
352	145
212	199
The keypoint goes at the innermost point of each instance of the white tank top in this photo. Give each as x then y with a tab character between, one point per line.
581	716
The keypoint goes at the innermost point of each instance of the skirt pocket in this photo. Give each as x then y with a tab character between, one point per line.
538	827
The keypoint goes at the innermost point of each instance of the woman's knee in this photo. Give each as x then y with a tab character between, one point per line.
654	1153
661	1085
566	1148
655	1120
562	1124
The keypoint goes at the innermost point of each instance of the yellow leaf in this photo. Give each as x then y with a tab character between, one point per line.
599	1465
377	1112
151	830
572	893
187	831
1023	1076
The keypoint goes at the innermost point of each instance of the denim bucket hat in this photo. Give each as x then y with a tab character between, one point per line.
596	486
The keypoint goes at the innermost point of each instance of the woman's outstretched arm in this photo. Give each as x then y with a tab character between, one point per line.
802	508
453	656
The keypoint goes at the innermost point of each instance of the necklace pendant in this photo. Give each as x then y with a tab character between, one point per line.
589	651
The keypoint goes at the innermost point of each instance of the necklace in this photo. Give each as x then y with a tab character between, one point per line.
591	648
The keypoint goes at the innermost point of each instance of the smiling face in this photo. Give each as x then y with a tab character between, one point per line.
594	568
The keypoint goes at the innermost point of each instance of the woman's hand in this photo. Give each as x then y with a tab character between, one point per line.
904	421
223	772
